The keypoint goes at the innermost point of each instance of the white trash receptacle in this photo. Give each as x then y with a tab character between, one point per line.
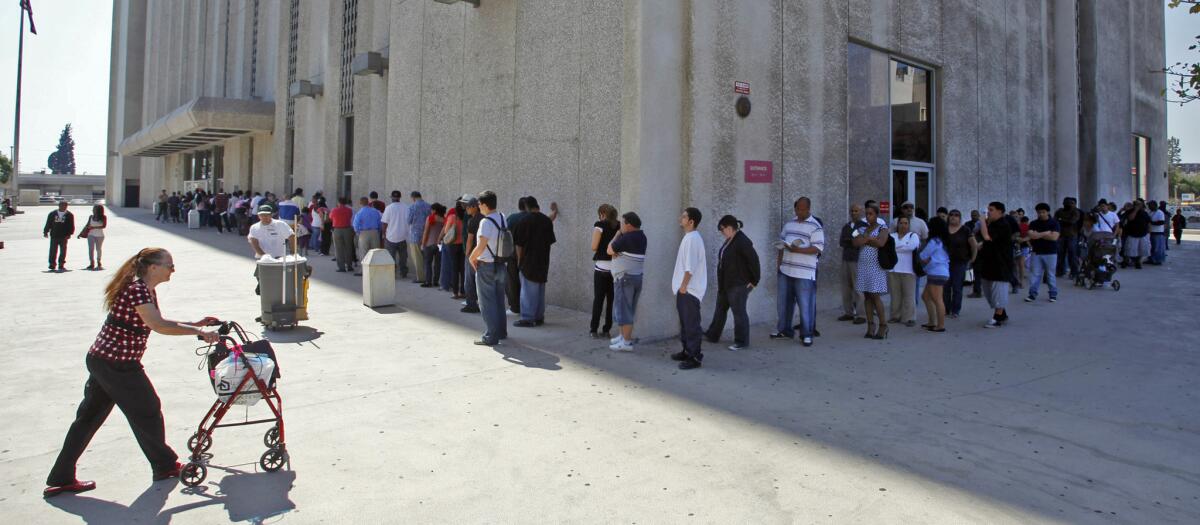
379	278
193	219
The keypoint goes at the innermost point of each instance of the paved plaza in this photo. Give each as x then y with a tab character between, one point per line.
1083	411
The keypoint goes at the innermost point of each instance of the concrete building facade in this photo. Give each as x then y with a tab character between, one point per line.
636	103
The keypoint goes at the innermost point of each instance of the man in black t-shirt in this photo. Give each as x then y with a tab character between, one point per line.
533	237
469	235
995	262
1044	233
1069	220
1136	238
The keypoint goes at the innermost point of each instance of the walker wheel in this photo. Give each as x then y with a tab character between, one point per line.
1116	285
271	437
272	459
199	442
193	474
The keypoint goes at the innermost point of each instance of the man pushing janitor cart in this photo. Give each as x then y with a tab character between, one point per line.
282	278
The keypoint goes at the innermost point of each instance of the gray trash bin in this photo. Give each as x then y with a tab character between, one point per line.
283	288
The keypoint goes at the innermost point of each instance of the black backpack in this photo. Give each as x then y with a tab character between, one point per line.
887	254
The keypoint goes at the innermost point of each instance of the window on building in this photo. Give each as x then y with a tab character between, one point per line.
218	168
1140	169
347	155
911	98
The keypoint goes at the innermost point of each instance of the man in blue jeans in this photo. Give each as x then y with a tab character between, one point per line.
489	259
800	244
1043	238
628	250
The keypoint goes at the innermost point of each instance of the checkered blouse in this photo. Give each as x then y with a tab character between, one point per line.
117	343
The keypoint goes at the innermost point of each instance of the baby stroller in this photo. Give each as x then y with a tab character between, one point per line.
241	372
1100	263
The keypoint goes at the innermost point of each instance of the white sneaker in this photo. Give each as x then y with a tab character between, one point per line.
992	323
618	339
621	347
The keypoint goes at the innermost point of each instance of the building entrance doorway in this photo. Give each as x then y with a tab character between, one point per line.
912	184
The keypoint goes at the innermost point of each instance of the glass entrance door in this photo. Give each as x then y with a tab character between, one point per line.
912	184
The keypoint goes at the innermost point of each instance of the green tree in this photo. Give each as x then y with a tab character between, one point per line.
1183	78
63	159
5	168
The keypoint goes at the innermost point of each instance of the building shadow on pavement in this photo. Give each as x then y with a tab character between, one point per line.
1066	414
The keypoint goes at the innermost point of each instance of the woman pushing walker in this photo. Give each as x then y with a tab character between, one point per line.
115	371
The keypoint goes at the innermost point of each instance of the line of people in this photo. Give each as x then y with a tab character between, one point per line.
498	264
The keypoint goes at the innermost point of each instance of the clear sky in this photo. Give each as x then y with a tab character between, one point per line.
66	80
1183	122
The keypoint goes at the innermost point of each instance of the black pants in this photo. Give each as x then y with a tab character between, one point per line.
456	268
433	264
126	386
602	299
58	245
690	332
326	238
513	290
733	299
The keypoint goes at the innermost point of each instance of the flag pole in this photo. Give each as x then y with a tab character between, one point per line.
16	160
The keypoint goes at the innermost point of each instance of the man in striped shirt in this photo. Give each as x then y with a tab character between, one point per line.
800	244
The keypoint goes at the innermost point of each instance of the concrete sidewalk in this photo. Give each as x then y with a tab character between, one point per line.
1079	411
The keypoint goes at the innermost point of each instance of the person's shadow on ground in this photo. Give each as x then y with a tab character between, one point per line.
251	497
527	357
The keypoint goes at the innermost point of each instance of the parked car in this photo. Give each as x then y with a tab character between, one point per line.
1191	213
78	200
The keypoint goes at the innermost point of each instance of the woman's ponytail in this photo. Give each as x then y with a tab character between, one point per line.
131	269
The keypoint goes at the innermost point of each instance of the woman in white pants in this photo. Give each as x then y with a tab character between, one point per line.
94	232
902	282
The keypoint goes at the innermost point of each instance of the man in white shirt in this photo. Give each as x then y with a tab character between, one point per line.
800	245
489	260
268	237
1107	223
915	224
395	233
1158	234
688	283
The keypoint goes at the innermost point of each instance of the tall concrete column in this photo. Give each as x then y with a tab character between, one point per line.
127	69
653	145
1064	101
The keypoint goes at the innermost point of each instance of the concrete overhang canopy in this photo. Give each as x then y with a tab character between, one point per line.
203	121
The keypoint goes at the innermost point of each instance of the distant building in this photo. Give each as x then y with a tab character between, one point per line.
636	103
1190	169
86	187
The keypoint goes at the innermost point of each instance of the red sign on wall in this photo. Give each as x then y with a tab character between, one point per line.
885	208
759	171
741	88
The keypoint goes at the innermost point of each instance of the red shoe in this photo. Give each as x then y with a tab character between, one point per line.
73	487
173	472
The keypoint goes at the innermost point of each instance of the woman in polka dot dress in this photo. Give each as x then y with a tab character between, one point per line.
116	377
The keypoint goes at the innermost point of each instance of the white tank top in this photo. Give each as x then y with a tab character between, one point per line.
97	228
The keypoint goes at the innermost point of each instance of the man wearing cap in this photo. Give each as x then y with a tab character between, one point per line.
268	237
418	212
472	220
915	224
367	223
395	233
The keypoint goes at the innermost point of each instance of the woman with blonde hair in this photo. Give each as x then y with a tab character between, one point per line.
115	371
602	278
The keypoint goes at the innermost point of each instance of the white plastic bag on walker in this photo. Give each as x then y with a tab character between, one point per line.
228	374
